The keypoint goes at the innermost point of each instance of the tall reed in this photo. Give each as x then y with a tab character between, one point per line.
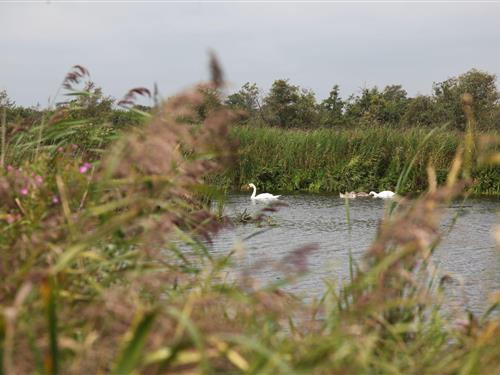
3	144
344	160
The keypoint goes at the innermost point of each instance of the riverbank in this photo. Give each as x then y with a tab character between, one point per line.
361	159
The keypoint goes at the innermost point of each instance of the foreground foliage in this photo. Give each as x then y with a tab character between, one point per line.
104	270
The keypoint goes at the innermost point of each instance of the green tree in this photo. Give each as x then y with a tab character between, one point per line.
15	113
247	99
420	111
288	106
373	106
211	102
362	108
480	85
5	101
395	102
333	108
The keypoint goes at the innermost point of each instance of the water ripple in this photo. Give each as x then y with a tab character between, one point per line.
467	251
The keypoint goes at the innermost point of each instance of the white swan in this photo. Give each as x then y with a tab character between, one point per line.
350	195
263	196
383	194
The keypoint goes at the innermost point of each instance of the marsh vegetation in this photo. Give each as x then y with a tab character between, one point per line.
106	267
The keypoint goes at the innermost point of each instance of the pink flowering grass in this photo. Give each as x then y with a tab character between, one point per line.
85	168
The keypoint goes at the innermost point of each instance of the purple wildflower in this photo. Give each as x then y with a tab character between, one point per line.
55	199
38	179
24	191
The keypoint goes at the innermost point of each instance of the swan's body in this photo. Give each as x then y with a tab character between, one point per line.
350	195
362	194
263	196
353	194
383	194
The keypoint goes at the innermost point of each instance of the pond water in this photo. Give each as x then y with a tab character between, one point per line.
468	252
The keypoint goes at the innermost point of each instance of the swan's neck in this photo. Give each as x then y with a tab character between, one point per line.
254	191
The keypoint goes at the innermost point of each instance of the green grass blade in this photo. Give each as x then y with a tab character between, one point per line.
130	357
49	293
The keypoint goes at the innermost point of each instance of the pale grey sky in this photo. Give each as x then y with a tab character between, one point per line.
315	45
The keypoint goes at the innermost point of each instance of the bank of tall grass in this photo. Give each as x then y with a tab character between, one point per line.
361	159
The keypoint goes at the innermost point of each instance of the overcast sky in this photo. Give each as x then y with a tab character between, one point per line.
315	45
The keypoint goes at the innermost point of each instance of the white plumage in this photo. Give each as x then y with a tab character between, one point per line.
263	196
383	194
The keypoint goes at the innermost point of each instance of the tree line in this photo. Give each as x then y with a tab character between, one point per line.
89	104
289	106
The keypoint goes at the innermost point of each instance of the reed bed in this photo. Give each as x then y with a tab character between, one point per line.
106	267
364	159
